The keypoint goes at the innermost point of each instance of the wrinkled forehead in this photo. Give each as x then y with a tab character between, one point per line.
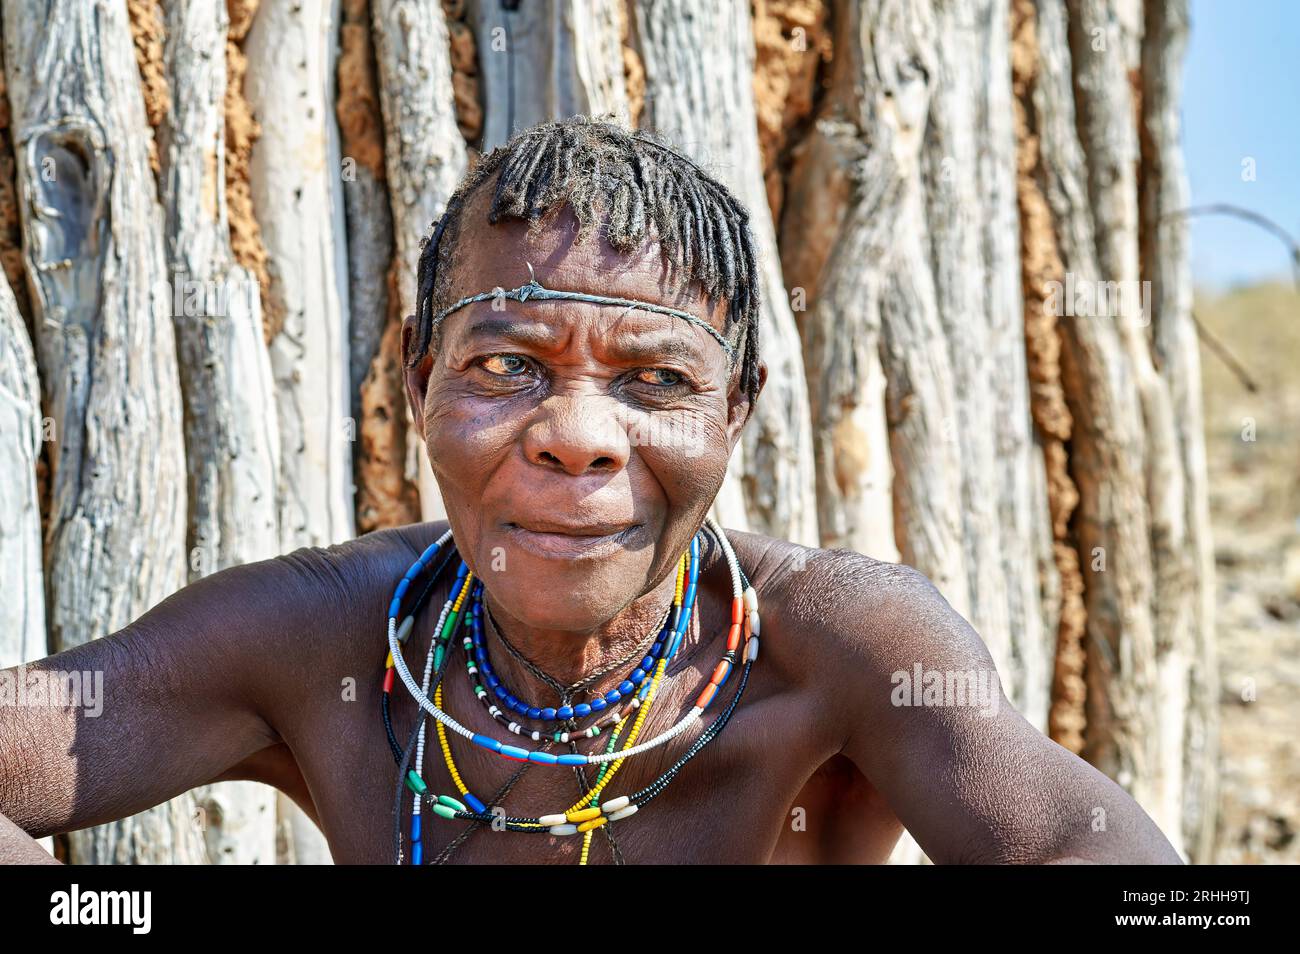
490	258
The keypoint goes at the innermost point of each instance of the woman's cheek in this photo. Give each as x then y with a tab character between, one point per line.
689	457
469	431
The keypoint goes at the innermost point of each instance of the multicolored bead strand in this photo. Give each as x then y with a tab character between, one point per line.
516	753
595	799
580	819
475	655
443	629
582	710
464	608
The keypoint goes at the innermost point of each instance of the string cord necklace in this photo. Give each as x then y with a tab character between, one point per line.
565	695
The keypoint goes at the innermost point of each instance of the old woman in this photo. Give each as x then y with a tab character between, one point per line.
578	665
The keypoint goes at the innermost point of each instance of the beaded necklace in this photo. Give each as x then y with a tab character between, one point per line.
588	813
518	754
476	660
444	805
446	624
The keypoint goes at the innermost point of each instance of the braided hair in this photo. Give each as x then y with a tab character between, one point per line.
631	185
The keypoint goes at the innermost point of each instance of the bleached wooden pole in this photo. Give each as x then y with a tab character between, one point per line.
840	205
1163	195
295	174
231	437
22	586
426	160
548	61
1107	453
699	67
93	250
297	194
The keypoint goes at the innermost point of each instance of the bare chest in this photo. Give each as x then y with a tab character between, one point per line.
768	787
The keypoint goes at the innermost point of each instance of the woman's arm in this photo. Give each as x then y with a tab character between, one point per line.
171	701
19	848
967	775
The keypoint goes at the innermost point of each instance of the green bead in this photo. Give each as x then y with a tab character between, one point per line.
444	812
437	659
415	783
449	625
451	803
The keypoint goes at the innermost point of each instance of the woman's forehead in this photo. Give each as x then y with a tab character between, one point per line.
622	334
560	256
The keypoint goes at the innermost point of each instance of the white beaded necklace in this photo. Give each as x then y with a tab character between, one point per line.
420	693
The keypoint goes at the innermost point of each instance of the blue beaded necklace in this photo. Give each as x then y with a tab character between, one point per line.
665	646
609	712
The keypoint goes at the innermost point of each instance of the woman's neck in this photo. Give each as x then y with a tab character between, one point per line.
569	657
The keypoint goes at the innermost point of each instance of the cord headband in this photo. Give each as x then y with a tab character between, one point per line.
535	291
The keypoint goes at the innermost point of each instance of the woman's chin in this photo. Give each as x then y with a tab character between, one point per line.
579	600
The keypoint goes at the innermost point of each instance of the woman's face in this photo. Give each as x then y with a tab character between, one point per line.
577	446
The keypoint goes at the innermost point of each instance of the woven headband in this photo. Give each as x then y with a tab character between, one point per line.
535	291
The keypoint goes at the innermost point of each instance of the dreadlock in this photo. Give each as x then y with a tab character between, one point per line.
630	185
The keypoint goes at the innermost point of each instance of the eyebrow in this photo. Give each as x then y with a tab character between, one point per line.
625	346
524	332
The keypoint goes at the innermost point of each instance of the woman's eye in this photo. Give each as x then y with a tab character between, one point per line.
660	377
506	365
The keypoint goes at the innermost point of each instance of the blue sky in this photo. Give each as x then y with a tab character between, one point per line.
1241	100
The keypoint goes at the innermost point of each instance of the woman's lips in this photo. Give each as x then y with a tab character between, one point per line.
556	542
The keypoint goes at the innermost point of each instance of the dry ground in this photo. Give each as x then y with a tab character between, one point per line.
1255	509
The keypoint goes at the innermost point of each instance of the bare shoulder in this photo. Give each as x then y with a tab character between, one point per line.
307	611
347	587
862	618
363	571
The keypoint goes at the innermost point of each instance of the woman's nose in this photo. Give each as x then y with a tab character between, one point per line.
578	434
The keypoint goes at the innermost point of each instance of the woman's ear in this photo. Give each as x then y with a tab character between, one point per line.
416	379
740	406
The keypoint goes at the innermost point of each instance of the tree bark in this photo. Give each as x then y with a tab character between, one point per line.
231	439
297	194
95	263
690	86
22	586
